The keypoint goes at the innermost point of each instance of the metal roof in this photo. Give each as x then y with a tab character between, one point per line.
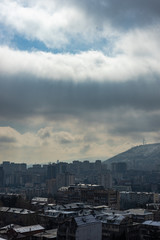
19	211
39	199
4	209
152	223
29	229
90	219
50	234
139	211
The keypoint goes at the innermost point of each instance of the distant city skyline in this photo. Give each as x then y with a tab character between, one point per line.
78	79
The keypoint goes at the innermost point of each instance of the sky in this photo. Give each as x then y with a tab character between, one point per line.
78	79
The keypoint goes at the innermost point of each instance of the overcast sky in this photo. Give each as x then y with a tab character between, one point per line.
78	79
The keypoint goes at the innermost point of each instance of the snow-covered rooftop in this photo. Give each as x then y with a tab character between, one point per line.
29	229
139	211
152	223
90	219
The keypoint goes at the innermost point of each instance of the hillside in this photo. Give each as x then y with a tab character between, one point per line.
146	157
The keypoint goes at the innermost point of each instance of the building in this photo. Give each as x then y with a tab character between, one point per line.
69	179
18	232
150	230
105	180
141	215
46	235
51	186
85	227
136	199
39	203
1	176
90	194
155	209
51	171
17	216
65	179
119	167
97	195
118	226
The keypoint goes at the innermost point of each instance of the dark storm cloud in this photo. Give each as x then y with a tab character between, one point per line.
26	98
5	139
122	13
136	122
133	124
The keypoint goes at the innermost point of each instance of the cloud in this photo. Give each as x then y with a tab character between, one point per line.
63	145
60	24
8	135
16	139
121	92
69	144
20	98
55	25
133	122
122	13
128	60
45	132
85	149
64	138
70	103
5	139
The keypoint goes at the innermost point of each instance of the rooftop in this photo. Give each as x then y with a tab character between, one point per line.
139	211
16	210
29	229
49	234
89	219
152	223
40	199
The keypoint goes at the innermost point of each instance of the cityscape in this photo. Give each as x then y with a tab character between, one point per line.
78	200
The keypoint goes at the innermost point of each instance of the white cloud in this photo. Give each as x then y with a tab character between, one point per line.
129	61
54	24
140	43
59	23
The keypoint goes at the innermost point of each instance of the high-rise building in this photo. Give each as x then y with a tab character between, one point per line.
1	176
51	171
105	180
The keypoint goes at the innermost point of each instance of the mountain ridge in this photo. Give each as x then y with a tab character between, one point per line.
146	156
